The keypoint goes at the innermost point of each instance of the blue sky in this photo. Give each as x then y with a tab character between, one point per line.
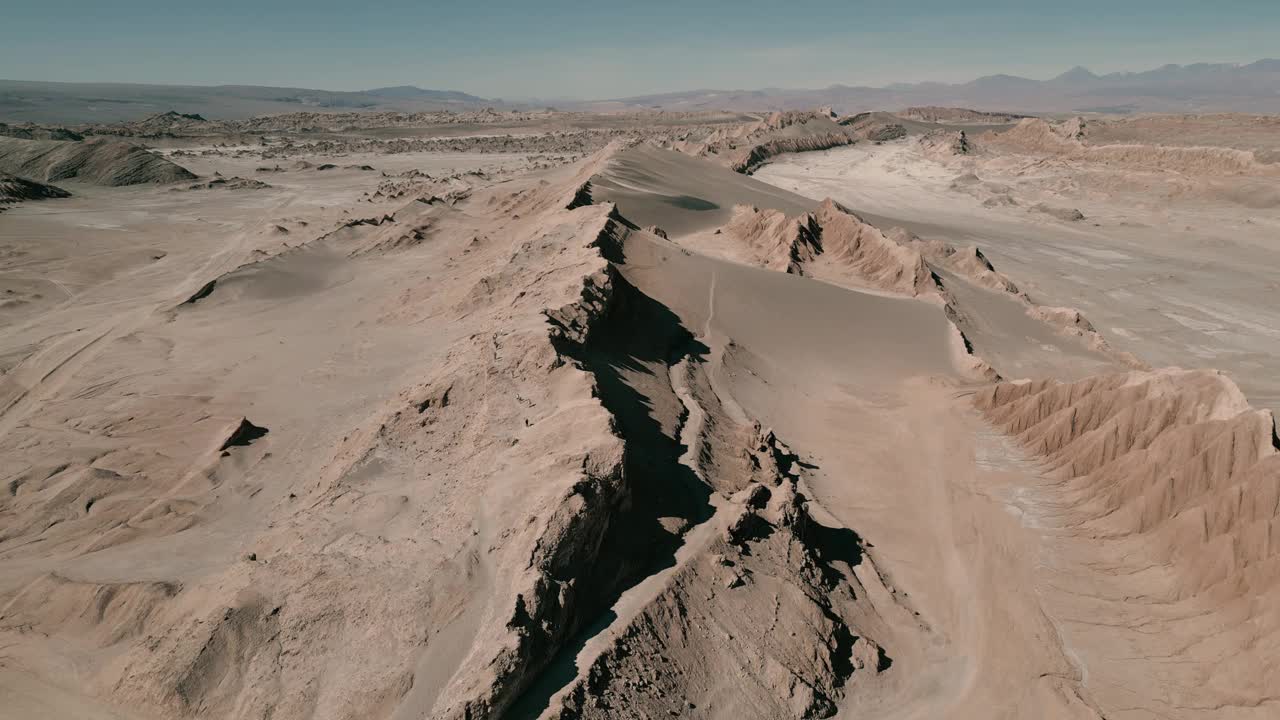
563	49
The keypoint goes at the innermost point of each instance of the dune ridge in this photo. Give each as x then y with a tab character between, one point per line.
615	524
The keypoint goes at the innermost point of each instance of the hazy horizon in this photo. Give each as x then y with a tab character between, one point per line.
565	50
445	88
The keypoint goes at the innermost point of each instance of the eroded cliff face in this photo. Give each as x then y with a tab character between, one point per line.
1161	492
351	555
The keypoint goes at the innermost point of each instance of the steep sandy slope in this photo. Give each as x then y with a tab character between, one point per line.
785	232
681	194
99	160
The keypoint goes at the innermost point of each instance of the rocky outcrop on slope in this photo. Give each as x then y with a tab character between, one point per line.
226	183
28	131
848	242
944	144
785	132
167	124
776	241
831	243
762	585
99	160
14	190
838	245
937	114
747	146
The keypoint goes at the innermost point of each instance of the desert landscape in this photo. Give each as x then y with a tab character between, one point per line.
404	404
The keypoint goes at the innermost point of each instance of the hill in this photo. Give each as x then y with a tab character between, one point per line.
410	92
99	160
14	189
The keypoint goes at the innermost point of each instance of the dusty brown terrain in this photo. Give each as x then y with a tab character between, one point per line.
567	416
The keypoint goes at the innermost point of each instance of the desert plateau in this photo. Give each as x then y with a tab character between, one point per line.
899	403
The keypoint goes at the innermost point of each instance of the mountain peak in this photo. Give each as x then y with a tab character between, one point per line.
413	92
1266	64
1076	74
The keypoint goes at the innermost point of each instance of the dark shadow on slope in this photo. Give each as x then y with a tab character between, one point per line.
629	356
561	671
581	197
883	661
689	202
204	292
834	544
244	433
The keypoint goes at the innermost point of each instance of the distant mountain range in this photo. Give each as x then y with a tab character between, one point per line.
1201	87
72	103
1254	87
